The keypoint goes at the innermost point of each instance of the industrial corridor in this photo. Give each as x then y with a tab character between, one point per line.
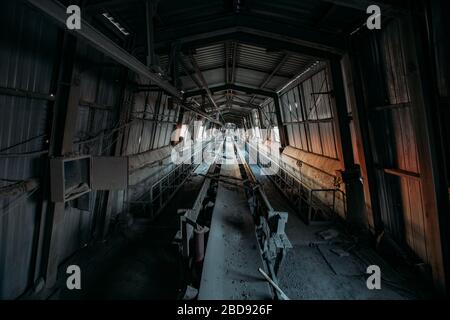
224	150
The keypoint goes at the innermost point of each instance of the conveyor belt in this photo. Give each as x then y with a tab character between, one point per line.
230	269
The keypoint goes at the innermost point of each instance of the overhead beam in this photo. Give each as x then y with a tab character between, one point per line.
202	80
95	38
247	37
362	5
233	63
224	109
245	105
331	9
108	4
201	113
190	73
230	86
149	15
273	73
312	41
241	66
227	65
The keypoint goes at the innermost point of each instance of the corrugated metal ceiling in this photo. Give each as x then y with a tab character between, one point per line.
247	64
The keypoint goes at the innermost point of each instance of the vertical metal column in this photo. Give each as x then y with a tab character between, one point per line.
150	13
350	175
366	157
61	143
284	141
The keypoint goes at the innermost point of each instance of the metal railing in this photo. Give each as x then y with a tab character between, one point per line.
301	195
163	190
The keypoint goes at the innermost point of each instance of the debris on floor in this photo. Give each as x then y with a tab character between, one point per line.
329	234
340	252
190	294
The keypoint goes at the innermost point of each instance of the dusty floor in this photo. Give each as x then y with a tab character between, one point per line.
316	272
142	263
230	270
138	264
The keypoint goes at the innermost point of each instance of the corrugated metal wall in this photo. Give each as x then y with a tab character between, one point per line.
97	114
29	58
153	122
26	62
307	114
393	138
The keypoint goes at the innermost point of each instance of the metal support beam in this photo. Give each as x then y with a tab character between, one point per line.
312	40
245	89
124	108
350	173
227	63
251	37
360	112
190	74
275	71
202	80
284	141
88	33
362	5
61	143
149	15
98	5
243	105
173	64
201	113
232	78
272	74
112	50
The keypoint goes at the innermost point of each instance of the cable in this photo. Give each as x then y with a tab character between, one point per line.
24	155
78	143
23	142
6	209
10	180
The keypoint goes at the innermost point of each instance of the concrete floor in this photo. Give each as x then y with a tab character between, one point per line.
316	272
230	270
137	263
141	263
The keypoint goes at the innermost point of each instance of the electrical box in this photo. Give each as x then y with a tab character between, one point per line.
109	173
70	177
73	177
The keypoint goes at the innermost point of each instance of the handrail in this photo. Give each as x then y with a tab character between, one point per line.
306	187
